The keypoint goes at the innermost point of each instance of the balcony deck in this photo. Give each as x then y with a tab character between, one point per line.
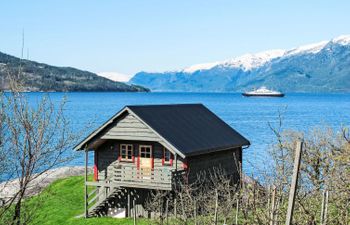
157	178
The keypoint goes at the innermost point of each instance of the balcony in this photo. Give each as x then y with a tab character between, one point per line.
131	176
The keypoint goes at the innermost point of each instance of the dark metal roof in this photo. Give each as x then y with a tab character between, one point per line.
192	128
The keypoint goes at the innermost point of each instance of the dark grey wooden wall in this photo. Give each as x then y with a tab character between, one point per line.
223	160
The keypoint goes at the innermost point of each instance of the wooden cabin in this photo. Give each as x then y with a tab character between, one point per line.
144	148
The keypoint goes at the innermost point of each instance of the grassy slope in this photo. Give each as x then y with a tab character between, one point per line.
63	200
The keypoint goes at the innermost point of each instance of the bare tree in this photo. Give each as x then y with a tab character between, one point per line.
35	137
3	140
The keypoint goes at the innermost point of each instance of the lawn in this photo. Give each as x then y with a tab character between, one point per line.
63	200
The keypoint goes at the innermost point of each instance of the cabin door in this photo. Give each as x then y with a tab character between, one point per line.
146	161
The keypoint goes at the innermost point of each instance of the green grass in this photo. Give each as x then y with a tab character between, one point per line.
63	200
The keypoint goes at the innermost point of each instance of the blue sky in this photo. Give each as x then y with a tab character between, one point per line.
131	36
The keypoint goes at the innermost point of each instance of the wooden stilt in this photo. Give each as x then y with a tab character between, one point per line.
166	211
134	210
86	179
128	209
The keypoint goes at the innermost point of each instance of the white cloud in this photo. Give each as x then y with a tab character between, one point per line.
115	76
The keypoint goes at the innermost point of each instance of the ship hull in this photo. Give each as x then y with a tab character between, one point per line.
262	95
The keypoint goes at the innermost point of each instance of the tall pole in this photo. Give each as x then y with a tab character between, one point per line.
86	178
294	184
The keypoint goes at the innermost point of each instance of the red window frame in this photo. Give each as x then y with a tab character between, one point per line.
167	159
151	155
128	155
95	166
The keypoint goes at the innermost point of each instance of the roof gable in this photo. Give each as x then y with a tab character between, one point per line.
128	127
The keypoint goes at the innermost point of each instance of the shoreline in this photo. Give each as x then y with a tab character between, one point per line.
9	188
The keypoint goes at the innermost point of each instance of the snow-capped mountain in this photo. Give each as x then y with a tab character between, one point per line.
318	67
251	61
115	76
245	62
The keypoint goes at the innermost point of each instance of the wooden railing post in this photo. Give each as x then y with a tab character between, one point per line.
294	184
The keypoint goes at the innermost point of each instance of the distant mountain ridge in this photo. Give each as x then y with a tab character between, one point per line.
319	67
42	77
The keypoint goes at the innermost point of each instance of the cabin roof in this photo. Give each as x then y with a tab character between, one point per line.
191	128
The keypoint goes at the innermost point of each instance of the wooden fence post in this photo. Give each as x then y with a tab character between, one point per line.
268	200
166	210
347	212
237	208
324	208
216	207
175	207
294	184
161	211
195	212
183	209
273	206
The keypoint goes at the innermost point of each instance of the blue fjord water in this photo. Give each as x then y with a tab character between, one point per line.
249	116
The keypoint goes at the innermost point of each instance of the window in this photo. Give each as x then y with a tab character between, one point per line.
126	152
167	157
145	151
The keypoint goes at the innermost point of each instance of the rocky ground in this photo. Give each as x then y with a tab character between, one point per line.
9	189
